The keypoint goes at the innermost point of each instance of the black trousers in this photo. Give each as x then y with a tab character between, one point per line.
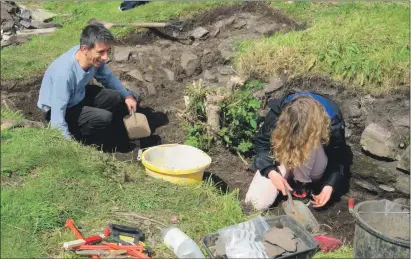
98	119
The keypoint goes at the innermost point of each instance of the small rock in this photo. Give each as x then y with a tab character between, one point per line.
259	94
214	32
208	76
274	84
190	63
196	44
403	184
147	222
164	43
148	78
352	109
121	54
378	141
206	51
267	30
402	201
136	74
348	133
222	23
220	247
366	185
404	160
240	24
151	90
225	71
7	26
174	220
169	74
199	32
234	82
403	122
226	49
386	188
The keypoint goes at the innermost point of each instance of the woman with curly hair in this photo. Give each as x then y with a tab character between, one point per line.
301	138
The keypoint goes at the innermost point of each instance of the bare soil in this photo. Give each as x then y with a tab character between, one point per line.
157	53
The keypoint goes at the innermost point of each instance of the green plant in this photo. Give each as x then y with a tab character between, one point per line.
197	137
239	118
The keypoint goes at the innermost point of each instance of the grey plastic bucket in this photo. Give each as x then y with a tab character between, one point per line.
381	235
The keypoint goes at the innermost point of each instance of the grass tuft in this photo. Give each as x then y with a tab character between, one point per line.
362	44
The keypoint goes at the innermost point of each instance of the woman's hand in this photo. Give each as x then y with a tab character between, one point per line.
279	182
322	198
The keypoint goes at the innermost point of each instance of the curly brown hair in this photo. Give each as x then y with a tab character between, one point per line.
302	126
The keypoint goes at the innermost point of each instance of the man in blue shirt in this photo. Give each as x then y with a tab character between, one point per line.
86	112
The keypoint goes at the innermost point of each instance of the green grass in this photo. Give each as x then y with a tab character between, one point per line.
54	188
30	59
363	44
9	114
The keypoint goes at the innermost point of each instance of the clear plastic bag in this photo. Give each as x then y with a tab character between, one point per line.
244	240
243	244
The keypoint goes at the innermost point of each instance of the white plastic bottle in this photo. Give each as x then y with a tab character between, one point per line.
181	244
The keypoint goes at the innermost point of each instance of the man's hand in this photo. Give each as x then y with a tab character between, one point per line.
131	103
279	182
322	198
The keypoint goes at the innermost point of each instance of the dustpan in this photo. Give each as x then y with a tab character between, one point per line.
137	125
301	213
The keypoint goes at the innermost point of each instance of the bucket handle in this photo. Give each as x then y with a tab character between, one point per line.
140	153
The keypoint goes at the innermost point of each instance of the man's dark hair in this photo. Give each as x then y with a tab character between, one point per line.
94	33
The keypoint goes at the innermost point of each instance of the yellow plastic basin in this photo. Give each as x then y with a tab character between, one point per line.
175	163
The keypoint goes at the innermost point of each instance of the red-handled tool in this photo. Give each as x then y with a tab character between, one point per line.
351	205
70	224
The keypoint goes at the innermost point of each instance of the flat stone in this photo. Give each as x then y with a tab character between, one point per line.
225	71
190	63
164	43
273	250
366	185
220	247
386	188
121	54
199	32
214	32
369	168
403	122
274	84
404	161
169	74
267	30
42	15
378	141
348	132
222	23
240	24
209	76
352	109
206	51
403	184
7	26
148	78
225	49
281	237
151	90
136	74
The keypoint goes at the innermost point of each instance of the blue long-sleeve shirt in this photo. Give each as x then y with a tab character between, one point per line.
64	83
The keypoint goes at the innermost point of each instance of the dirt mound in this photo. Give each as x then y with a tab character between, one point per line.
159	64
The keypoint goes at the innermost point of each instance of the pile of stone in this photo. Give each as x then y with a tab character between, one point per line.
19	22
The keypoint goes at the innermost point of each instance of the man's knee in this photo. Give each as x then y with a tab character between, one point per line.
101	119
114	96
